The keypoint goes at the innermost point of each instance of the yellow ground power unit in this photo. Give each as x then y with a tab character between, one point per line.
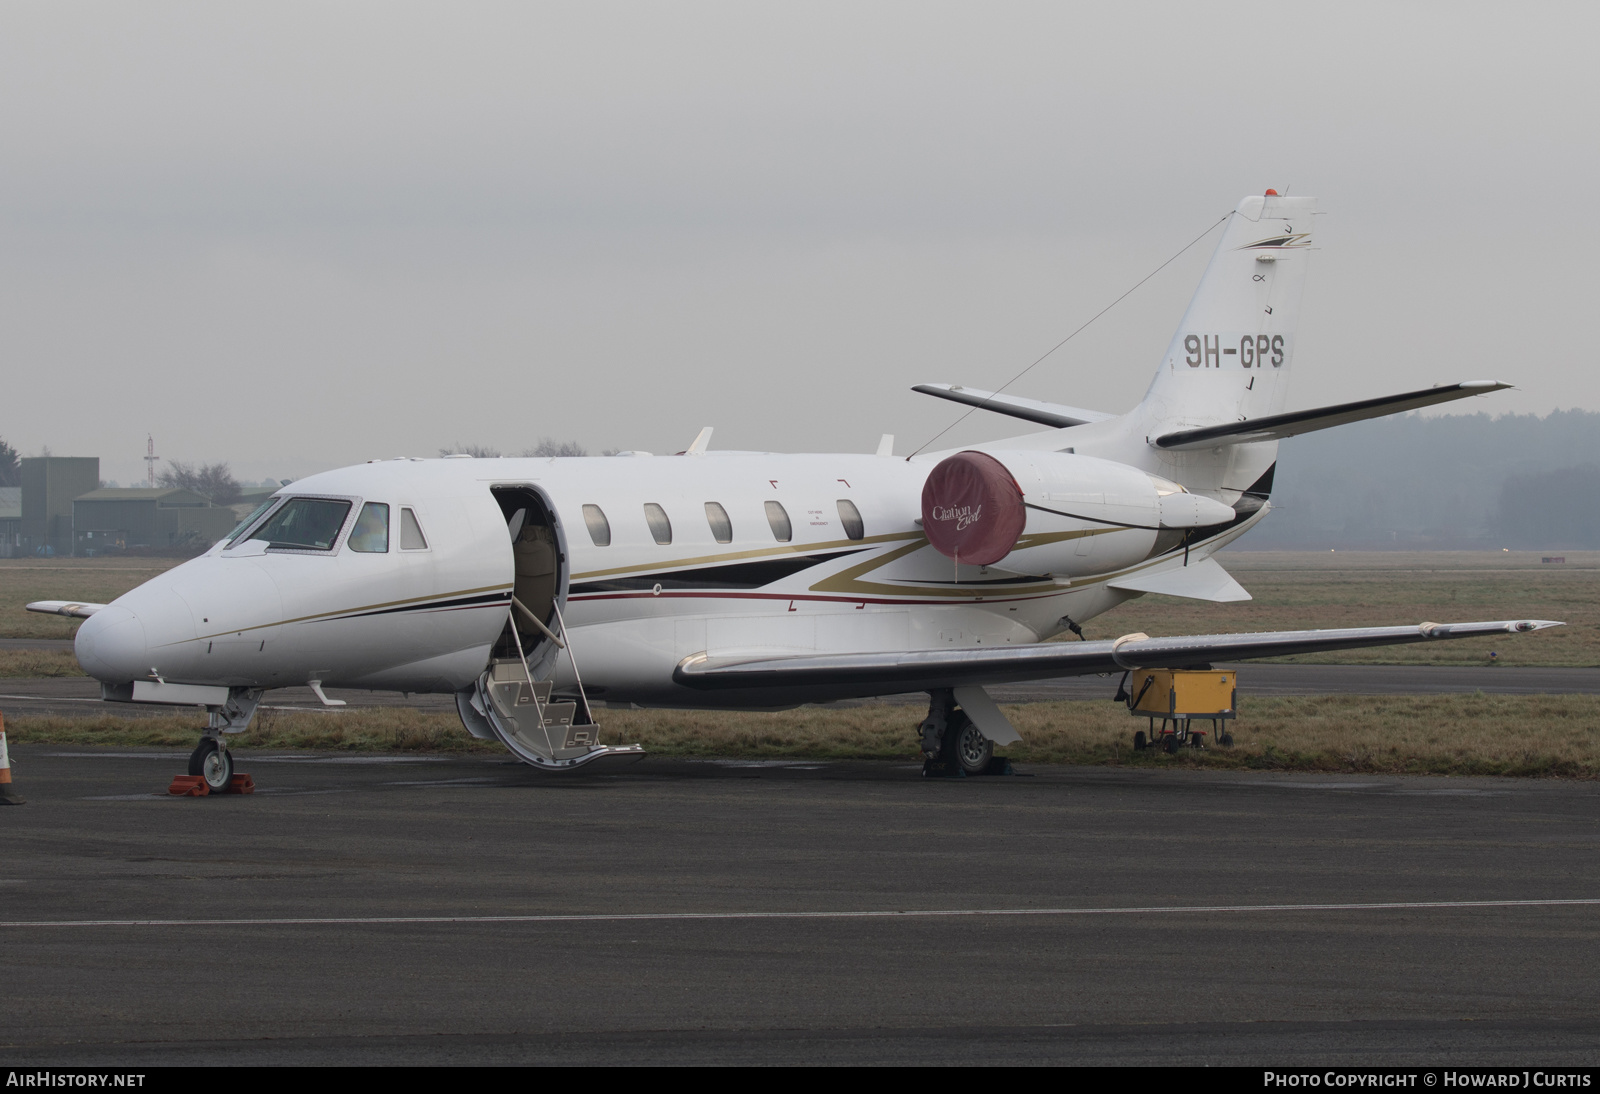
1178	697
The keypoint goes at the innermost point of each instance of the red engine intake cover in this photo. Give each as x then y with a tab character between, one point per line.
972	509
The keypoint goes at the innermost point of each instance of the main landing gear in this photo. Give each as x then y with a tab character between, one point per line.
952	747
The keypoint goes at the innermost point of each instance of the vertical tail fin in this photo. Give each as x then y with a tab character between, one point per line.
1231	356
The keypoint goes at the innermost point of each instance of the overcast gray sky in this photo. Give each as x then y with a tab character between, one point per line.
295	236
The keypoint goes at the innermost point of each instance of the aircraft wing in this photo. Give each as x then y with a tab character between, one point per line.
76	609
922	670
1031	410
1275	427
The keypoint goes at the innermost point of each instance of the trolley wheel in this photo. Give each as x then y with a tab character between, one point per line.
1225	740
1140	743
1170	744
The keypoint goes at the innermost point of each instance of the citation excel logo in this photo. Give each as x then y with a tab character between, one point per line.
1287	239
963	517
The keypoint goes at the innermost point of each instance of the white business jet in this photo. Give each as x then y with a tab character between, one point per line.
536	590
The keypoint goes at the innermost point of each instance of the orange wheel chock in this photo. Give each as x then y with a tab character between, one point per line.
189	786
241	784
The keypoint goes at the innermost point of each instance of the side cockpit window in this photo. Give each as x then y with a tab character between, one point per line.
411	537
370	536
305	524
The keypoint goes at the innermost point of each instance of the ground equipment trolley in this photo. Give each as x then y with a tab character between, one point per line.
1178	697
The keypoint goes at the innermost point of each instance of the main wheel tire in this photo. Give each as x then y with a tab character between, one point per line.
966	746
1139	741
213	763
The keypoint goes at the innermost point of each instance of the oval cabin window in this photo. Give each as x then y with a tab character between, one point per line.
850	517
721	526
778	518
594	518
660	526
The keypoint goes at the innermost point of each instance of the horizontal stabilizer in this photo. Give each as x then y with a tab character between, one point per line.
1203	580
1275	427
72	608
888	672
1032	410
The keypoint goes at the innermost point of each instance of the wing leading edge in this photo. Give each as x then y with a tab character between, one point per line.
922	670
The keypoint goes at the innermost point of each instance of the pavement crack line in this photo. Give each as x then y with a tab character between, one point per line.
929	913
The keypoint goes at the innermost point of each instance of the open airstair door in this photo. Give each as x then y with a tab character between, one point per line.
513	701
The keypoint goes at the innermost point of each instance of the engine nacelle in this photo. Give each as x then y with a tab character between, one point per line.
1056	513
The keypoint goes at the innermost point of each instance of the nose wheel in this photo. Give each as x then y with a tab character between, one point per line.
213	763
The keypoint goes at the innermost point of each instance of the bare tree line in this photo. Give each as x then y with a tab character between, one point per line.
545	447
10	466
216	482
213	481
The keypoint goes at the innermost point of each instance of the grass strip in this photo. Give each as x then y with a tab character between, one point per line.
1522	735
36	663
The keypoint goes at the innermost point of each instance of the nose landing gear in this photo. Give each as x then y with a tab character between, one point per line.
210	762
213	763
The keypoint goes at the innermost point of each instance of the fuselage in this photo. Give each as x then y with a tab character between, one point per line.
650	560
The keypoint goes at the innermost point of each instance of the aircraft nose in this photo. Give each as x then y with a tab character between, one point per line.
111	645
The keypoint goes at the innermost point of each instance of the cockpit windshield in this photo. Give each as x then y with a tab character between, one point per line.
238	529
305	524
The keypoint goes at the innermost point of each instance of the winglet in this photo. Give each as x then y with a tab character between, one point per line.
885	445
699	445
73	608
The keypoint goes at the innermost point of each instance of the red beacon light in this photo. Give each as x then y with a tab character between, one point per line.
1271	194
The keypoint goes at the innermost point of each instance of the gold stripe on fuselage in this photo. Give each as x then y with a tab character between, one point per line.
348	611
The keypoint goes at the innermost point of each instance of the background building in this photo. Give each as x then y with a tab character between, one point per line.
10	521
170	518
49	485
251	498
